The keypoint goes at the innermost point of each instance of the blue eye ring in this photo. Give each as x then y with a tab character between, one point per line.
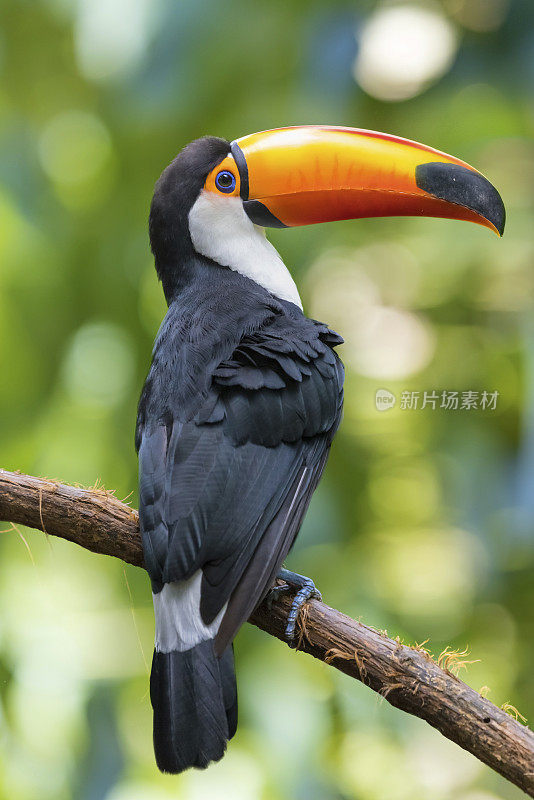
225	181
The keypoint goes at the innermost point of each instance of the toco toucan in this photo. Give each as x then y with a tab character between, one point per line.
245	393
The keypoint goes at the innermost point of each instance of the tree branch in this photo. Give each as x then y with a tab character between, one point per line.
406	677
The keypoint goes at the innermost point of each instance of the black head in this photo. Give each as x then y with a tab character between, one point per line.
174	194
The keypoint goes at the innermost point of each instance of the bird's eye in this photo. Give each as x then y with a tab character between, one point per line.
225	182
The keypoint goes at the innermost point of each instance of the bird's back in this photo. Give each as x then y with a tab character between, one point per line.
235	422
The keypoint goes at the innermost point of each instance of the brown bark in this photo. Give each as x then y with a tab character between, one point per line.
406	677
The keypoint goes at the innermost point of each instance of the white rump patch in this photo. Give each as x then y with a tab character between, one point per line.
179	625
221	230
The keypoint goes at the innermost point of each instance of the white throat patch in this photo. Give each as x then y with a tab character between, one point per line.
221	230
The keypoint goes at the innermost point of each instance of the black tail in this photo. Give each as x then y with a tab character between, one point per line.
194	698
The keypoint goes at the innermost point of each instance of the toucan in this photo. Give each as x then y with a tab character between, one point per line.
244	393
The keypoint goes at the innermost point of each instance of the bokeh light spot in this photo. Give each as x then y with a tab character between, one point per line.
402	50
381	341
408	492
98	367
111	36
428	573
479	15
74	147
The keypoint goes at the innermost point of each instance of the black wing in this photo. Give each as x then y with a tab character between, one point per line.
227	491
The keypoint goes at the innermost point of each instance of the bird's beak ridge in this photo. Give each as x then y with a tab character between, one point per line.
303	175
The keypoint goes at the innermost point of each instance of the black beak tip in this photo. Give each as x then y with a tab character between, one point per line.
457	184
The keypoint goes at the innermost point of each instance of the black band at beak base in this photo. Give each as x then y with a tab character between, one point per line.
257	212
456	184
242	166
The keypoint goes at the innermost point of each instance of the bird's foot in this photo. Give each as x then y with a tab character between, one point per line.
307	590
275	592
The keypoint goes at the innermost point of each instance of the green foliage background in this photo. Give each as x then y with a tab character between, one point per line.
423	524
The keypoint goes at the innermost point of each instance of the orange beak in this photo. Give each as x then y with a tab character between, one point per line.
316	173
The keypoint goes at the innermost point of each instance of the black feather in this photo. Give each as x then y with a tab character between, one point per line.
194	697
235	423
